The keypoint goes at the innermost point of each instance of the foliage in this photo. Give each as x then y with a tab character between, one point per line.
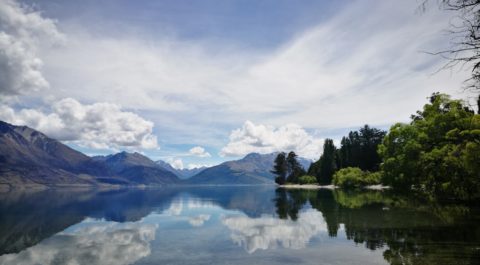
306	179
358	199
287	168
326	166
280	168
295	170
359	149
354	177
437	153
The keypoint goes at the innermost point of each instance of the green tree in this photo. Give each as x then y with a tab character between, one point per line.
437	153
326	166
280	168
359	149
295	170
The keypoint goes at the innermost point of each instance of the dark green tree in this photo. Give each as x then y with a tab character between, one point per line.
325	167
327	163
295	170
280	168
359	149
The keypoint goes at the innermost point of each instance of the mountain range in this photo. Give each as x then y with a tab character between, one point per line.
30	158
182	173
252	169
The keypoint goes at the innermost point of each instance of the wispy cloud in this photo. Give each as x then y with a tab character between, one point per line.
362	65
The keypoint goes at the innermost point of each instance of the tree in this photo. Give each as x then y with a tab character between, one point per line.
359	149
437	153
295	170
478	105
465	42
326	166
280	168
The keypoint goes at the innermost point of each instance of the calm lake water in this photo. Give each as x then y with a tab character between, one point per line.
233	225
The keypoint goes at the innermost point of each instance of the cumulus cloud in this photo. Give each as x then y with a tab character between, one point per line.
267	139
199	151
99	125
106	244
177	163
199	220
22	31
269	232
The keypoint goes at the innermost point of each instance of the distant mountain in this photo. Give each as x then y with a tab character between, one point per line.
304	162
252	169
183	173
135	168
29	157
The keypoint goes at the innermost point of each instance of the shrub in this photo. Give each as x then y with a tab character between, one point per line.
354	177
307	180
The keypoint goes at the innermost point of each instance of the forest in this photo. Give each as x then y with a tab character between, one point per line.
436	154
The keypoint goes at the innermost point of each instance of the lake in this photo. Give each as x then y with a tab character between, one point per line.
233	225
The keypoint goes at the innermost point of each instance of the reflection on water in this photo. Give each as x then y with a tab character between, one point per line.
269	232
241	225
104	243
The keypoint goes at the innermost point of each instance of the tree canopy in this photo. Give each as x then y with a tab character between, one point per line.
359	149
287	168
437	153
280	168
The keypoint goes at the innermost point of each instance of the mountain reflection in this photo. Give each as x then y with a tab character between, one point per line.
29	217
105	243
128	226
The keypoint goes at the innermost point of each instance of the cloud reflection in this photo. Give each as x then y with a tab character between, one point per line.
96	243
269	232
199	220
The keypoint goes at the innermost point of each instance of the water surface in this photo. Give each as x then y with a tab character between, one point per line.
233	225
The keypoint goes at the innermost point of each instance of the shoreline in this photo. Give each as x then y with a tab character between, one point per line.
329	187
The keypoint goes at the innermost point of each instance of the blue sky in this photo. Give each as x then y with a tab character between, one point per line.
201	82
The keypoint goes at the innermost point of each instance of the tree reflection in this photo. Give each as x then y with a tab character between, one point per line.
410	231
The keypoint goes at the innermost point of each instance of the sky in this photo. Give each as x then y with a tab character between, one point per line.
197	83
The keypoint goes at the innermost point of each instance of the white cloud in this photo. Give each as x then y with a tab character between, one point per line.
99	125
199	220
193	166
177	163
268	139
106	244
22	31
199	151
269	232
349	70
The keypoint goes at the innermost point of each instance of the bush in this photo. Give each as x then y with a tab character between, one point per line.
373	178
307	180
354	177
